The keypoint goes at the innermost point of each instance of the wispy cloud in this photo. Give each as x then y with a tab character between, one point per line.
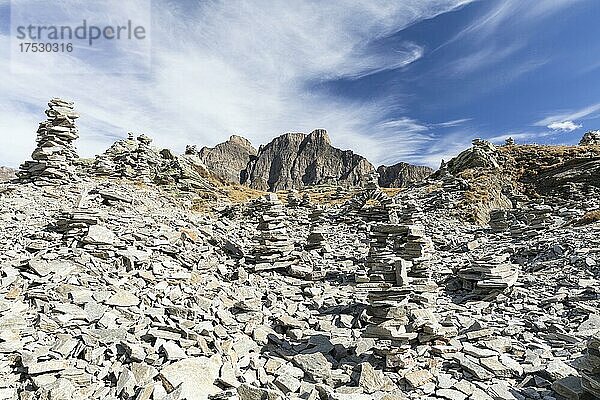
232	67
590	111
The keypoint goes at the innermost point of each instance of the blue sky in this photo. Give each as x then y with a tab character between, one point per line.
409	80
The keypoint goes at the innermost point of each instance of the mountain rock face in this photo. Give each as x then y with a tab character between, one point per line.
294	160
402	174
7	174
228	160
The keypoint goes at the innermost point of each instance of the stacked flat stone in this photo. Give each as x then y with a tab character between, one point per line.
491	274
316	238
53	159
76	223
499	220
509	142
130	158
417	248
381	259
275	247
590	371
591	138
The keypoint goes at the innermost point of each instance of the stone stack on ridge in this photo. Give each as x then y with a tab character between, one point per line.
275	248
489	275
53	159
590	138
305	202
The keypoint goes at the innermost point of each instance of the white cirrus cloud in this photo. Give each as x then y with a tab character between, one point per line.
250	68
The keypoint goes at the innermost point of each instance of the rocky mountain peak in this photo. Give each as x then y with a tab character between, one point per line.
319	136
242	141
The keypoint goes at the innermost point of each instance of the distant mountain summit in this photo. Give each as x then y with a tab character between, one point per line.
295	160
228	160
402	174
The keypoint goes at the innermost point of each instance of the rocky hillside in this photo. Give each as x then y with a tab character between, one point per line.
498	177
402	174
115	284
295	160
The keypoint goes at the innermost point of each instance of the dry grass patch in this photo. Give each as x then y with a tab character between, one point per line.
589	218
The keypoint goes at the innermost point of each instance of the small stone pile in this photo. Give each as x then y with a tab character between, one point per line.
492	274
54	156
590	373
499	220
316	238
340	193
591	138
509	142
275	247
76	223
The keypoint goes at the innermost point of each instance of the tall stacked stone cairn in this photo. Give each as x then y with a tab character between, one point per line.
418	249
53	159
274	250
401	294
489	275
316	238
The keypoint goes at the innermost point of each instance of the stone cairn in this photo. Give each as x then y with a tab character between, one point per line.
130	158
75	224
53	159
316	238
490	275
401	294
418	248
275	247
509	142
381	211
591	138
590	372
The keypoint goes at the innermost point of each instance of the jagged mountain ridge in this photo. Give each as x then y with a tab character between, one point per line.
296	160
